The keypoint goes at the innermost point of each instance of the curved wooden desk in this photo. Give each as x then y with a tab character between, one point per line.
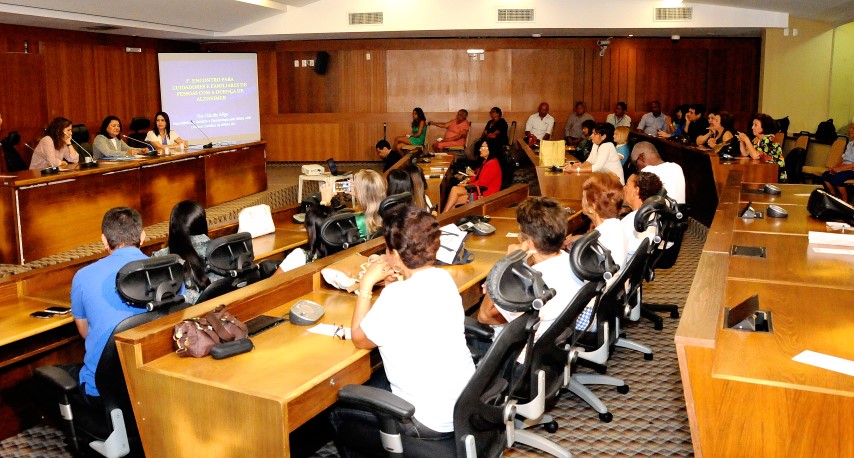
744	394
44	215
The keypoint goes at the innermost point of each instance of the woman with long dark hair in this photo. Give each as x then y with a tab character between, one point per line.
419	131
54	149
188	238
314	248
489	175
162	136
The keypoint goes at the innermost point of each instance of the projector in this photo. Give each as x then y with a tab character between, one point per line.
312	169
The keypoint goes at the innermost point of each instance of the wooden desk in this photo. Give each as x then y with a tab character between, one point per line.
752	170
559	185
799	221
259	397
44	215
796	194
744	395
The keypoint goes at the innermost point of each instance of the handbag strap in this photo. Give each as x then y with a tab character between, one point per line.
215	322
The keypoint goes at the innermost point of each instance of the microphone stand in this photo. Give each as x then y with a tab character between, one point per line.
150	149
85	164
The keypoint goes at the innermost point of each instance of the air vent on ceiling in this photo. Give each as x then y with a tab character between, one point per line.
515	15
101	28
682	13
366	18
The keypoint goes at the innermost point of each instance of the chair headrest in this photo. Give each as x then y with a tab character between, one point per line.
12	139
139	123
340	231
515	286
393	200
80	133
649	214
231	255
590	261
151	283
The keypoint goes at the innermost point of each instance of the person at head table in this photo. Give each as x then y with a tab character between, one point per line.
54	149
108	142
162	136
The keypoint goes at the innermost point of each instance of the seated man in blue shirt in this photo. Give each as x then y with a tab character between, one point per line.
95	304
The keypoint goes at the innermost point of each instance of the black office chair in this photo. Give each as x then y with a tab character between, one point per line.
556	351
485	411
392	201
671	222
340	232
233	257
80	134
795	162
109	427
14	161
136	125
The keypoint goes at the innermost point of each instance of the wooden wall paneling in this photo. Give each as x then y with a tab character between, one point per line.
301	90
630	96
418	78
300	142
23	97
133	87
479	85
268	89
362	82
543	75
70	72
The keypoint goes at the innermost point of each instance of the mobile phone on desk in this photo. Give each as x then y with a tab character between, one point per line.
342	186
42	314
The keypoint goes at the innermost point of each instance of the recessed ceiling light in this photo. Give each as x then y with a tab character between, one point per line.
536	35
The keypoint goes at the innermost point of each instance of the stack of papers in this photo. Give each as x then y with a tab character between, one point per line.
449	243
328	330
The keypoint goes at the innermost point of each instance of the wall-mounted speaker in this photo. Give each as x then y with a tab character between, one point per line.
321	62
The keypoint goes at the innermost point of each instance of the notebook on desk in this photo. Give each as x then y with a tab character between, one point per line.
333	169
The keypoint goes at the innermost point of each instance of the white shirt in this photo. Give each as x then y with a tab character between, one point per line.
611	237
557	274
172	138
418	326
672	177
624	121
540	127
634	238
604	158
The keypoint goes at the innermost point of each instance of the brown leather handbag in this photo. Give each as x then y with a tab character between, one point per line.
196	336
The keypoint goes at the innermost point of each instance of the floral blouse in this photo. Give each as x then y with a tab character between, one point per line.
767	146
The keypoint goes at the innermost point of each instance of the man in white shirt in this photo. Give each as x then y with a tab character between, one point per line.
539	125
638	188
646	158
654	121
619	117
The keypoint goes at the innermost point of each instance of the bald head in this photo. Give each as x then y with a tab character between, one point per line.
644	154
543	109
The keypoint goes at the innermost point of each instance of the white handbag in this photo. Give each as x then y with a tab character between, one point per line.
256	220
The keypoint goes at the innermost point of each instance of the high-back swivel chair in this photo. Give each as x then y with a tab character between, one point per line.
109	427
671	221
233	257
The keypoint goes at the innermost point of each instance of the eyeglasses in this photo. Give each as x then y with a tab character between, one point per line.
339	332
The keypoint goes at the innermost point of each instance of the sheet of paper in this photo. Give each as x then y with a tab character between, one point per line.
449	243
513	234
830	238
829	250
328	330
831	363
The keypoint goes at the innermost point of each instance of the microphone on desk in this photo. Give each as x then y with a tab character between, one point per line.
149	148
210	143
86	164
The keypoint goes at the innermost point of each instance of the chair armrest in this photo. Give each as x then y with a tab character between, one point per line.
377	400
56	377
477	329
